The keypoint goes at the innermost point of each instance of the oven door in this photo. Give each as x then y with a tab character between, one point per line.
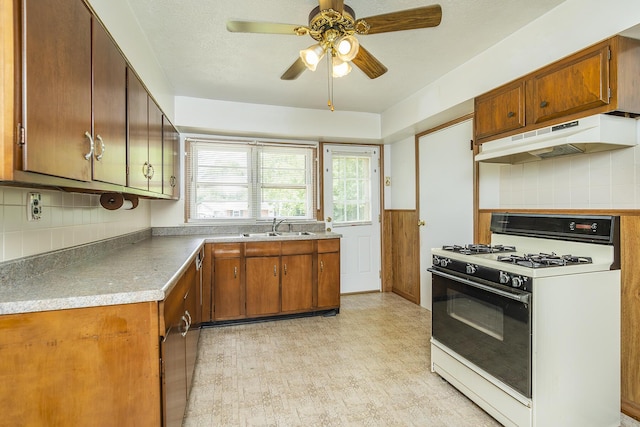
488	326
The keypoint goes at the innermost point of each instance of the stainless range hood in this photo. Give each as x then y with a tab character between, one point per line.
587	135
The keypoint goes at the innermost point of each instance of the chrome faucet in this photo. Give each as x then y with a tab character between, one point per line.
274	226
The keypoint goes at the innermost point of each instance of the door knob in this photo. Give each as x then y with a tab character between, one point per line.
329	219
421	223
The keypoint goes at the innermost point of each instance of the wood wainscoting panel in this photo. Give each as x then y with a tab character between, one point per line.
630	315
404	246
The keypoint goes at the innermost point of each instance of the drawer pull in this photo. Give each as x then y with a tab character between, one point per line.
285	269
235	272
275	270
321	266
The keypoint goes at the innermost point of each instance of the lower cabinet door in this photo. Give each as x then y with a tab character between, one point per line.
174	387
297	282
329	280
262	285
228	298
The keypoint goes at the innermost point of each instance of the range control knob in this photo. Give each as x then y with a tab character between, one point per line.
504	278
471	269
516	281
444	262
436	260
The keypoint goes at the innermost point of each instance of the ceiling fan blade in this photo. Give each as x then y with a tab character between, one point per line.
337	5
410	19
369	64
294	71
263	27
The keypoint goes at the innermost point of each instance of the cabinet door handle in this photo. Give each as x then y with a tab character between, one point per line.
543	104
511	114
235	272
321	266
91	146
102	147
189	318
151	171
285	269
145	169
275	270
184	329
172	181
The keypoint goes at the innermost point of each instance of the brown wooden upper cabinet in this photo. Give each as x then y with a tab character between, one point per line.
145	138
74	95
600	79
500	111
170	159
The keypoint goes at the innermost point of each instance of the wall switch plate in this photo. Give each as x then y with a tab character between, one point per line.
34	206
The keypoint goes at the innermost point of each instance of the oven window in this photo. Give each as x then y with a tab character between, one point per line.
484	317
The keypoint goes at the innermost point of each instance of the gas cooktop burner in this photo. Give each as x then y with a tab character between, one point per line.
473	249
544	260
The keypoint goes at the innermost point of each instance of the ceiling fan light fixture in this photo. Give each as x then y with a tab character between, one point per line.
340	68
346	47
312	55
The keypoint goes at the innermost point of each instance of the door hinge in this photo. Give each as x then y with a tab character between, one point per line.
380	274
161	369
471	144
609	93
20	135
609	54
379	218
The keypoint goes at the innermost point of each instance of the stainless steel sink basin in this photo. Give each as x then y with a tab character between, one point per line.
295	233
278	234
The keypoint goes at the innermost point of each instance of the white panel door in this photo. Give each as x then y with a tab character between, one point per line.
446	194
352	208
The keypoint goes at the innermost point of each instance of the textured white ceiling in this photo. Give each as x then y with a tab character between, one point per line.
202	59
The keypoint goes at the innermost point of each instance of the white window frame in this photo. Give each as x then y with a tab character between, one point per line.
253	148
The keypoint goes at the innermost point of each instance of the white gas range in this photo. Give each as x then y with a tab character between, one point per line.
529	326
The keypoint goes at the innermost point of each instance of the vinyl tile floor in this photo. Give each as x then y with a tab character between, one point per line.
367	366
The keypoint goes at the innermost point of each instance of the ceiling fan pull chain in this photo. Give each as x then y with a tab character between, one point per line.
330	79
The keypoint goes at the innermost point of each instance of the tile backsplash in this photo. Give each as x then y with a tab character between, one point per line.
605	180
68	219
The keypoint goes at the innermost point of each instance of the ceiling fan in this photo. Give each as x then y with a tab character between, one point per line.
333	25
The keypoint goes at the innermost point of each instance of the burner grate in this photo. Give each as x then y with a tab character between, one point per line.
473	249
544	260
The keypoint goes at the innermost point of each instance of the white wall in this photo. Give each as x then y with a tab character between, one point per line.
401	167
68	219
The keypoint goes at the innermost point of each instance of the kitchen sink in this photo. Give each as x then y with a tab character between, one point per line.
278	234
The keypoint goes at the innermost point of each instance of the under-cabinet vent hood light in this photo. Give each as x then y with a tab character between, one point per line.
587	135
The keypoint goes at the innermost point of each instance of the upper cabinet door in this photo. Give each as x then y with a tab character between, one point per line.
137	107
57	90
571	87
500	111
109	109
155	147
170	160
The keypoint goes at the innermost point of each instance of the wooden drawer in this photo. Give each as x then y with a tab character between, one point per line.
227	250
253	249
328	245
297	247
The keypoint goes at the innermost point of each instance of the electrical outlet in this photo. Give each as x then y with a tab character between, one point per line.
34	206
387	181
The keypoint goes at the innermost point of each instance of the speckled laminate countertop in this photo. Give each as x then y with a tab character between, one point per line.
136	272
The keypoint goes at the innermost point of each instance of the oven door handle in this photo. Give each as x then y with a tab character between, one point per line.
523	298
